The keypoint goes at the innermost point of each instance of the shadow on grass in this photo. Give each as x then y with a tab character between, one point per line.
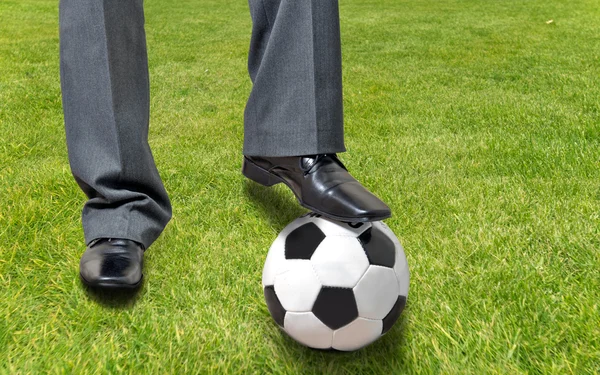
278	208
114	298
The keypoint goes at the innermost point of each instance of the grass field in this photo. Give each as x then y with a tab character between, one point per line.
477	121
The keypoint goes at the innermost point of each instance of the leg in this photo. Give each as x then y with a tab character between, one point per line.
294	116
295	107
104	80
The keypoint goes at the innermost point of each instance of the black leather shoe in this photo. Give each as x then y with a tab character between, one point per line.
321	183
112	263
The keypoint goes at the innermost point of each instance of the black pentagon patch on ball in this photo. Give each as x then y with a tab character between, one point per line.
335	307
302	242
275	308
394	314
380	250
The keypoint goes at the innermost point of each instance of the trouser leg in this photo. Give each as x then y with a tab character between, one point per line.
105	91
295	107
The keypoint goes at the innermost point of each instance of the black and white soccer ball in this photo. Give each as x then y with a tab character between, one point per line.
335	285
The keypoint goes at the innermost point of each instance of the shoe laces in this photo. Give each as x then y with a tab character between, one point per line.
317	160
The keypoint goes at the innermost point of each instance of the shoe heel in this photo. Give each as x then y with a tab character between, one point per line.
257	174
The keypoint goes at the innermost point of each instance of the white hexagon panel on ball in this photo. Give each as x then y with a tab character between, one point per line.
340	261
308	330
377	292
297	287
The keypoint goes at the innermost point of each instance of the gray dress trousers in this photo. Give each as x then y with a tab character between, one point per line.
294	108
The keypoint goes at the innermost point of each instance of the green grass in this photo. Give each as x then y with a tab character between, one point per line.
477	121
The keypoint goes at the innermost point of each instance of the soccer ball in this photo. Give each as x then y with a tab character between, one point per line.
335	285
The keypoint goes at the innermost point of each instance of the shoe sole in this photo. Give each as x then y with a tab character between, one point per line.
260	175
110	285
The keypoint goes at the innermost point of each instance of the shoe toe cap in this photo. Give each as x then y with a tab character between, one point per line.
353	200
111	266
